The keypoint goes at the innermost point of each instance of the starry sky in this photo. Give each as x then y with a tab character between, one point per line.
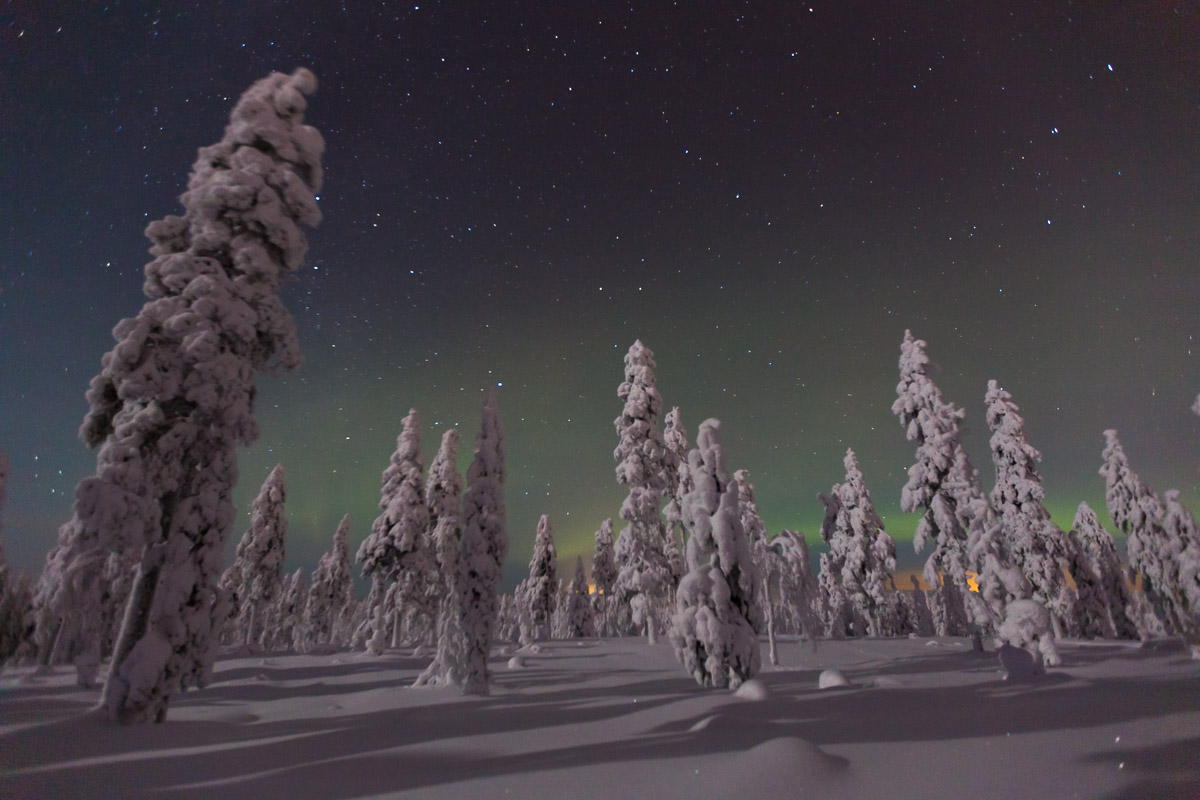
766	194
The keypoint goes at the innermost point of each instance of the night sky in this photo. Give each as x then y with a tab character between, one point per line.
766	194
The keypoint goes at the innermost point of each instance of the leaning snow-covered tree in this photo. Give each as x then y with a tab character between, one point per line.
718	597
256	574
643	574
1167	562
942	485
175	396
542	588
862	556
399	549
484	545
443	494
330	593
1035	544
1096	570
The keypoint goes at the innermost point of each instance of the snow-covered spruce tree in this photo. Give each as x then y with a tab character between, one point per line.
939	482
604	575
718	597
443	494
1096	570
678	484
766	560
284	622
862	555
484	545
1035	544
798	593
543	579
579	609
837	616
329	594
399	549
256	573
175	396
1154	552
643	573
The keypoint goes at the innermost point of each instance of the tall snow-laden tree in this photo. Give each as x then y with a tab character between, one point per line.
763	556
1096	570
643	574
175	396
678	477
718	597
330	592
256	573
579	609
1035	544
443	494
862	556
941	480
543	579
484	545
1163	559
399	550
604	576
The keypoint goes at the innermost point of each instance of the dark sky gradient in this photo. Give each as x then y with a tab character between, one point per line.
767	194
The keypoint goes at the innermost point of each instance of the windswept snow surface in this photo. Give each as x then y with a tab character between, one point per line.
619	718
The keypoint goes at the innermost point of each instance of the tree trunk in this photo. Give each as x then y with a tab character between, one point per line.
134	625
772	650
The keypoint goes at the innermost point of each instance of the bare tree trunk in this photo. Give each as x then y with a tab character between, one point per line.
772	649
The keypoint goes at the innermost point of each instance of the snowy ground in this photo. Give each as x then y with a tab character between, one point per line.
618	718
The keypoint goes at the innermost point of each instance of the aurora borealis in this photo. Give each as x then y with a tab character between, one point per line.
766	194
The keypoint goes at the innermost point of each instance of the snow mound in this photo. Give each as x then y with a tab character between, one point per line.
832	679
753	689
516	662
702	724
886	682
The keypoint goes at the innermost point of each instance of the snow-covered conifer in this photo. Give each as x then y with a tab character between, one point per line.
604	575
257	570
1096	570
330	592
643	573
1034	543
579	609
678	484
484	545
941	480
718	597
1160	547
287	613
443	494
862	555
399	549
837	616
543	579
798	592
921	614
175	396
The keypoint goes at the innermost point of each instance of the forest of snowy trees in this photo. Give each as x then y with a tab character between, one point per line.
136	592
